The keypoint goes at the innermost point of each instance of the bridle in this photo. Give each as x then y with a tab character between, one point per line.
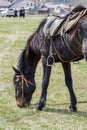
24	80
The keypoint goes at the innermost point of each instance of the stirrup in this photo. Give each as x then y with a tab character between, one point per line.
53	60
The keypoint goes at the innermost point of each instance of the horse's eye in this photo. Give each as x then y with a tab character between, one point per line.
17	80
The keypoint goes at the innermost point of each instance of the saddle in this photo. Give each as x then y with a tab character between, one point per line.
58	25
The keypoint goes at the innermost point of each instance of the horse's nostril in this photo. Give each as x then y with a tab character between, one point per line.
21	106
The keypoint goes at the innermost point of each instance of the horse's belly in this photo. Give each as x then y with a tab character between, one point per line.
62	53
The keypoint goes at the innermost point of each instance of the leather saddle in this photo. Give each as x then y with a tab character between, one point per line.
57	25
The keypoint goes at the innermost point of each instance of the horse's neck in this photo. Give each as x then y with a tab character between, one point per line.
30	64
28	71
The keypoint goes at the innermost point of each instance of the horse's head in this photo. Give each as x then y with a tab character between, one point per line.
24	89
83	35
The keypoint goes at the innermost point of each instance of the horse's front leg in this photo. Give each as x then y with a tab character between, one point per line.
68	82
45	83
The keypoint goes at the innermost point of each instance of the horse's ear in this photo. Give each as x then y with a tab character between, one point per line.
15	70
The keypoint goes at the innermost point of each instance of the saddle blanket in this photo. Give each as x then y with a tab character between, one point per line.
52	25
55	25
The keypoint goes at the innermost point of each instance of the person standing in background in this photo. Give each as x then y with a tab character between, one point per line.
15	13
23	12
20	12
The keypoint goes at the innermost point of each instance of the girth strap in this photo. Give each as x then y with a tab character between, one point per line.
50	57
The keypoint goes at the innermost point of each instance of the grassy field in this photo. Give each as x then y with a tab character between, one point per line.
55	116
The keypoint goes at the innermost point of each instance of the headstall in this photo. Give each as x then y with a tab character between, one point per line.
24	80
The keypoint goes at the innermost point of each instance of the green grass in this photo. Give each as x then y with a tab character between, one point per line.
55	116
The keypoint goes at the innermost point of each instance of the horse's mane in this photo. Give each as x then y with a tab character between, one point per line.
42	23
20	64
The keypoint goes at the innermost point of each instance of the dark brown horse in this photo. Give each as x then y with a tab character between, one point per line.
68	48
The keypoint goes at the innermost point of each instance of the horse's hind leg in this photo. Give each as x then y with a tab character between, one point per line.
68	82
45	83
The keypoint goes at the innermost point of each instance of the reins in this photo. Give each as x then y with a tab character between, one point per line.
24	80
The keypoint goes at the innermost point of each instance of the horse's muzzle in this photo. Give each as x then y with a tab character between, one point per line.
22	103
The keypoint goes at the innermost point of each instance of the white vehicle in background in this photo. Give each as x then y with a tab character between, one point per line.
1	9
7	13
3	12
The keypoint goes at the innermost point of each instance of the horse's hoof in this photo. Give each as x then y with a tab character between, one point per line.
39	108
73	109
